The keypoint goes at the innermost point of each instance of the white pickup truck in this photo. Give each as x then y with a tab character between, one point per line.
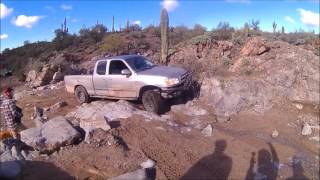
130	77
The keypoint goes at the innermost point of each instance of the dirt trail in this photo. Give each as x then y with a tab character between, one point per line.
179	152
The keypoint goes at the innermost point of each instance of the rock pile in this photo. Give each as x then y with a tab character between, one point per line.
254	46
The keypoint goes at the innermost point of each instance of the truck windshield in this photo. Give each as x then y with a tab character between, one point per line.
140	63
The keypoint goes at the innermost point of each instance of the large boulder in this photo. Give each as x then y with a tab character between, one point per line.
111	111
255	46
52	135
58	76
230	96
44	76
98	121
31	76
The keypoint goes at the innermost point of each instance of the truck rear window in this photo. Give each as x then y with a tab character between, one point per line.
101	68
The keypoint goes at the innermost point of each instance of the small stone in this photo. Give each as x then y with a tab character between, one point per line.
315	138
222	119
148	164
14	151
207	131
24	154
298	106
275	134
306	130
57	106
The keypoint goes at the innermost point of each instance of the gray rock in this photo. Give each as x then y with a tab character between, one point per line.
114	110
189	109
111	111
222	119
58	76
148	164
52	135
306	130
10	169
96	122
31	76
57	106
207	131
230	96
41	88
140	174
275	134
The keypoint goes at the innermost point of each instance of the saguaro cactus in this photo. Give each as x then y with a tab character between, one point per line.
274	26
164	25
112	23
282	30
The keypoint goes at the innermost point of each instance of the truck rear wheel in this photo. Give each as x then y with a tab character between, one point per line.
81	95
152	101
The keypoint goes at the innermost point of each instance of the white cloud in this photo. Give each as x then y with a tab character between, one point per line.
4	36
5	11
170	5
136	22
26	21
290	20
309	18
66	7
239	1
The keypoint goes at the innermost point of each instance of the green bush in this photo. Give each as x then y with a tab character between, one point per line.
113	43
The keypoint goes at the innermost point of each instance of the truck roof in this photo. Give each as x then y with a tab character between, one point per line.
123	57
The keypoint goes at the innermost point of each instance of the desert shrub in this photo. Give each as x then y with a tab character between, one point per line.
154	30
135	27
62	39
98	32
227	62
113	43
239	37
222	32
201	39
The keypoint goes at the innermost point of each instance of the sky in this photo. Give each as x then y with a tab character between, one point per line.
36	20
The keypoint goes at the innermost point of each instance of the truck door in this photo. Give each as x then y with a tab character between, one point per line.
122	86
100	79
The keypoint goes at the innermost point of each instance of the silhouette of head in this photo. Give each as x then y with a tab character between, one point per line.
263	156
220	146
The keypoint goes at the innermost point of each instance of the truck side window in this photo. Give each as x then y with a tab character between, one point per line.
116	67
101	68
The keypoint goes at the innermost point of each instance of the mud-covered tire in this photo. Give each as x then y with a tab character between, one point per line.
81	95
152	101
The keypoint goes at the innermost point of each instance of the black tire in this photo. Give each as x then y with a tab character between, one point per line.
152	101
81	95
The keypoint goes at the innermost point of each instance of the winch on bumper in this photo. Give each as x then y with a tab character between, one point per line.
177	90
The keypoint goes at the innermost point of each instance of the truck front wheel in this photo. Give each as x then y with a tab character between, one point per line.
81	95
152	101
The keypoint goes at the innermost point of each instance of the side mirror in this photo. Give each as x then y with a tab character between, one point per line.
126	72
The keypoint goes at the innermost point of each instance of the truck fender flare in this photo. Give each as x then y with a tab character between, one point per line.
146	88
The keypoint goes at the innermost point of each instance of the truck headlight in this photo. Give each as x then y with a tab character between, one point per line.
172	81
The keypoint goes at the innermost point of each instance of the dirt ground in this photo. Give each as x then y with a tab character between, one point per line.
234	150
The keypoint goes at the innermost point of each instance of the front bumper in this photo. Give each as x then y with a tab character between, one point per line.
177	90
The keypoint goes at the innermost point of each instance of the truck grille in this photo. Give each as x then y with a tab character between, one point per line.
186	77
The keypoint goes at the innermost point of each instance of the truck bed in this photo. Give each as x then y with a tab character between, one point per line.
73	81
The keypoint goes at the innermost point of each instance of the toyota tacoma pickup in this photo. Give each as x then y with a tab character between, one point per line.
130	77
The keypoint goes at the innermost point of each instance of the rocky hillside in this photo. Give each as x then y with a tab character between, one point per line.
254	76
